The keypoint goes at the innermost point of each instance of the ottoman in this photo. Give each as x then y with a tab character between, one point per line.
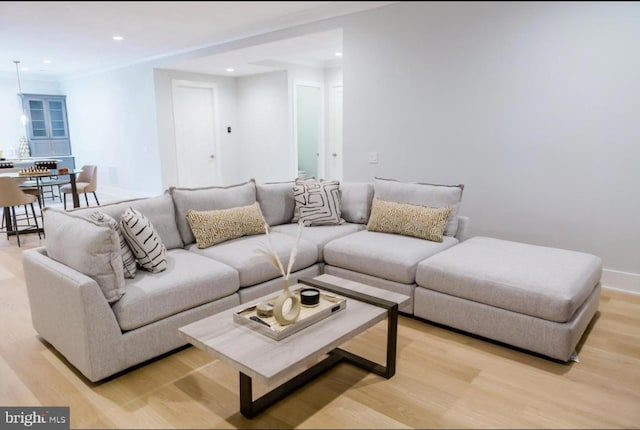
537	298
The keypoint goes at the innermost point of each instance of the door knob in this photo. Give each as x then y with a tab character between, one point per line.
335	154
212	156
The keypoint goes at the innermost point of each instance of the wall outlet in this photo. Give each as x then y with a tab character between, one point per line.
373	157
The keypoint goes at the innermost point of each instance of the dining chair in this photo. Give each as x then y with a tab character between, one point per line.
87	182
11	196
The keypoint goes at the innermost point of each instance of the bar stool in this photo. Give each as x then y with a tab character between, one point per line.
11	196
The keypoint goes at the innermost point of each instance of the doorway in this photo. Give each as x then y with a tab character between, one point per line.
308	129
195	122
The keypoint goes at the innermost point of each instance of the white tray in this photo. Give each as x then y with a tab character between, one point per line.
329	304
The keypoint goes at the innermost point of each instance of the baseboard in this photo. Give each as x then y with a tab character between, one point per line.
623	281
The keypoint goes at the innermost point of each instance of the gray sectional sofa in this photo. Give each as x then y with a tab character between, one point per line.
66	278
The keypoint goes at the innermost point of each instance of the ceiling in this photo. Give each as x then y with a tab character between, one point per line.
76	37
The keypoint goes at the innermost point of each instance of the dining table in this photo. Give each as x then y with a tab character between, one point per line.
72	173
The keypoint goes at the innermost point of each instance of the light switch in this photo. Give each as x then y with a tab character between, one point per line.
373	157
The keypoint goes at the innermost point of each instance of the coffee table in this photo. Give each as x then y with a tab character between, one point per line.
268	361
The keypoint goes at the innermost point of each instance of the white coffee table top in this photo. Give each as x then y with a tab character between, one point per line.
268	360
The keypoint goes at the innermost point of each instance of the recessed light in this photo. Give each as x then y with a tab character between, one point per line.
338	54
118	38
231	70
46	61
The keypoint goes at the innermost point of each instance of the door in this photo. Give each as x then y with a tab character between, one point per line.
194	117
334	150
308	130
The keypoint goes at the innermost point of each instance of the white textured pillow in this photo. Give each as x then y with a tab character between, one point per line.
144	241
128	260
317	203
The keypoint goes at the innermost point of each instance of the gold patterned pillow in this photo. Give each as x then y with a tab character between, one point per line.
216	226
409	220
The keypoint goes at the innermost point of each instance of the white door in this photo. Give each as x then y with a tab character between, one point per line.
308	123
334	151
194	118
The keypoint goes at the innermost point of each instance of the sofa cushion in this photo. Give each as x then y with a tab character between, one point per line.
317	203
158	209
144	241
432	195
207	199
543	282
320	235
189	281
387	256
356	199
422	222
129	263
276	202
254	267
88	246
211	227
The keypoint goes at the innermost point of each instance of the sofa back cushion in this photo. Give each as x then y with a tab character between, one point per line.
88	246
432	195
276	201
207	199
159	210
356	201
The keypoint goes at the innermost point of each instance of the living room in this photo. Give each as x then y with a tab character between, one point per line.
533	106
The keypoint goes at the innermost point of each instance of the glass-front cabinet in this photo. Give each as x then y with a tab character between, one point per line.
47	124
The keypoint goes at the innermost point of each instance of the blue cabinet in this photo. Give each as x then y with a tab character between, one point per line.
47	125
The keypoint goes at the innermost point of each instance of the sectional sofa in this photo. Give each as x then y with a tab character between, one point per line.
515	293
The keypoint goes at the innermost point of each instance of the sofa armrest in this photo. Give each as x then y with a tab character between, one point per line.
463	228
69	310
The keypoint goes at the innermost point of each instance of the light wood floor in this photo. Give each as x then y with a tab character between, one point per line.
444	379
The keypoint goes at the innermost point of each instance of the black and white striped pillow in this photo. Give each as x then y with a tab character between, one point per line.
128	260
317	203
144	241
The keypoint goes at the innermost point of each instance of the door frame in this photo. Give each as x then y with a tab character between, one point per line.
332	117
175	83
321	144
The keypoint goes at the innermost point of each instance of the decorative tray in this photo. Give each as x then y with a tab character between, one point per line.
329	304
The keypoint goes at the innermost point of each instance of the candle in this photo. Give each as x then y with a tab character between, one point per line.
310	296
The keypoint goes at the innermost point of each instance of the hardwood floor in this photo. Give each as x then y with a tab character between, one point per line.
444	379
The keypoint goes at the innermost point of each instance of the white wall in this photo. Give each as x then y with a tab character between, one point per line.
230	155
535	107
112	121
264	127
11	128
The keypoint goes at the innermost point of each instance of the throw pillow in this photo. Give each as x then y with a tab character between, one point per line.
128	260
317	203
216	226
144	241
88	246
409	220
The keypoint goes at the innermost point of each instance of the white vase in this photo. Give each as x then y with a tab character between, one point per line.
278	307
